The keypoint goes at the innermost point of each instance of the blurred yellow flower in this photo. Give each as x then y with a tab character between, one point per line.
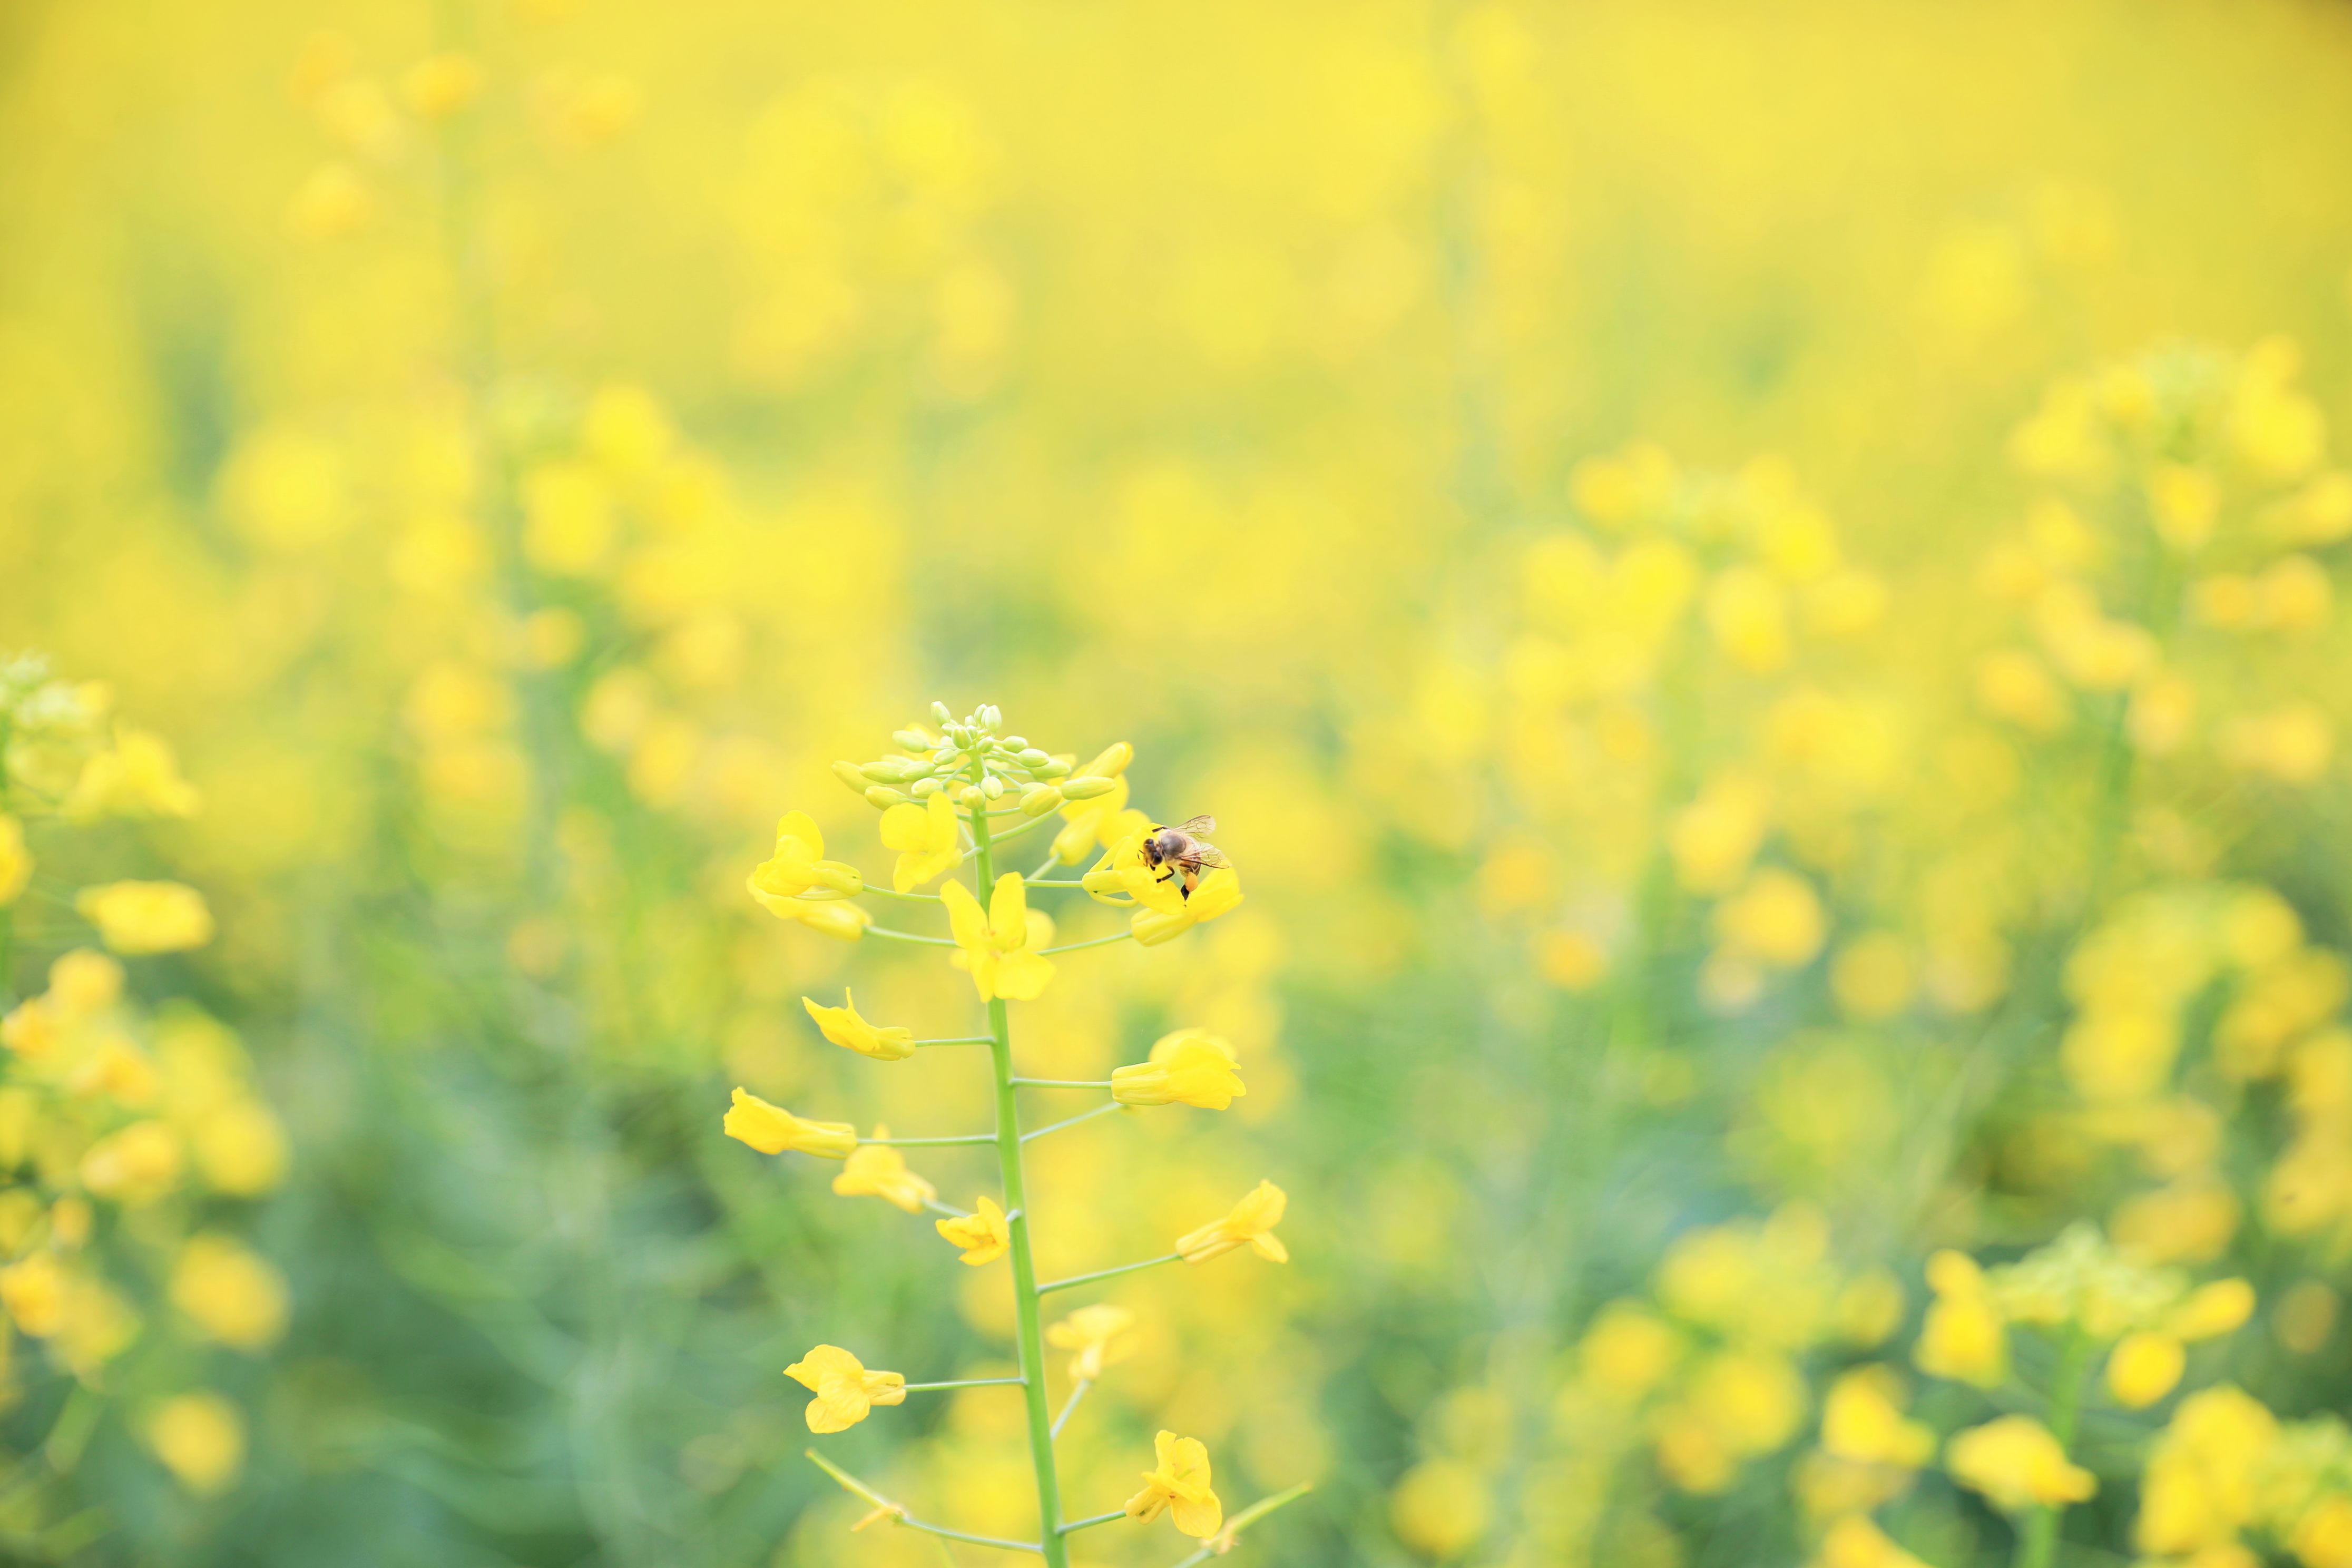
983	1234
845	1391
147	917
1863	1420
1627	1352
138	776
33	1290
1093	1334
843	1027
1179	1483
1189	1067
2016	1463
2203	1479
997	949
1775	918
771	1130
1963	1337
135	1166
15	862
2145	1367
1442	1507
1217	893
200	1438
1855	1541
441	85
1250	1223
925	835
876	1170
229	1292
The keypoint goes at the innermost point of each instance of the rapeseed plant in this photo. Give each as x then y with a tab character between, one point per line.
944	796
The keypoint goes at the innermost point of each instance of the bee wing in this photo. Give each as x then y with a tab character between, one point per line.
1202	854
1193	826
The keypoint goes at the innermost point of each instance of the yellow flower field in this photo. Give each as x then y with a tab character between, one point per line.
614	622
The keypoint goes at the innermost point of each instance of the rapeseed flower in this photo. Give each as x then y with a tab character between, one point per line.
1218	892
875	1169
999	949
2015	1462
1092	1334
1124	876
135	1166
843	1027
772	1130
138	776
1188	1067
798	868
147	917
2144	1368
982	1234
1178	1484
925	835
1102	818
845	1391
1855	1541
1250	1223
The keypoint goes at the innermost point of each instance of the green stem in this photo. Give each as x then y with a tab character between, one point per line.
1073	946
2037	1542
1093	1519
1063	1082
1106	1273
1072	1121
879	890
931	1143
911	936
961	1040
1031	1334
964	1382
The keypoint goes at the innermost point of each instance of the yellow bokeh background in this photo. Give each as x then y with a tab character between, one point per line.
1751	589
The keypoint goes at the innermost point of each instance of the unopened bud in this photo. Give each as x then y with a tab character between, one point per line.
940	712
924	788
1112	763
989	717
911	739
1052	768
1034	757
851	774
882	797
1039	799
1086	787
1012	743
992	787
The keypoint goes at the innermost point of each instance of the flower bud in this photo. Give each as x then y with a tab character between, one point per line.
926	788
1012	743
881	797
851	774
1051	768
1112	763
1039	799
1034	757
911	739
991	787
989	716
939	712
1088	788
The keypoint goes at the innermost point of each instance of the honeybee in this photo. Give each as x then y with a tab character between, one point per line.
1181	852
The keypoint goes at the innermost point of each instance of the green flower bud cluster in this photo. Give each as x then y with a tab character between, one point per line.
939	758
